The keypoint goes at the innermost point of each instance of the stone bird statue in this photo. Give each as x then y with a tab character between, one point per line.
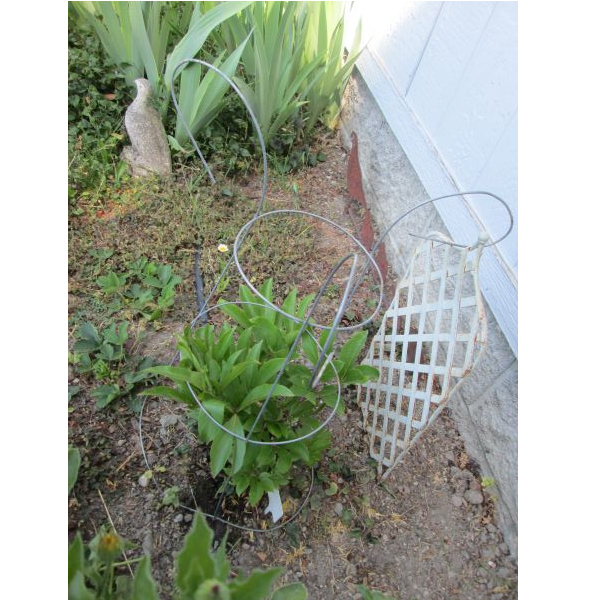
149	151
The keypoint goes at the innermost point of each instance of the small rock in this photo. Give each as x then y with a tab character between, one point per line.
457	501
338	509
188	517
245	546
474	497
504	572
351	570
449	456
178	518
143	481
120	442
461	486
460	473
167	421
147	543
475	485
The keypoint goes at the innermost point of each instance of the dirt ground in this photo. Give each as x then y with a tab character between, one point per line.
415	536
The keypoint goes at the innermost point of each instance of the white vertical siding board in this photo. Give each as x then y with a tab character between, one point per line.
485	101
450	49
425	46
402	36
498	286
500	174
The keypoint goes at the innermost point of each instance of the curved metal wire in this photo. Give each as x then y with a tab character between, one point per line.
353	283
216	517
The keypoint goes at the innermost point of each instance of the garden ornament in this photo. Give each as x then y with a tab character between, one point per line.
149	152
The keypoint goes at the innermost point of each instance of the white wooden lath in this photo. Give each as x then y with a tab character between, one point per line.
431	335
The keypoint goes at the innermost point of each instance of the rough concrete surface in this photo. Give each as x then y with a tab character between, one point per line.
485	408
149	151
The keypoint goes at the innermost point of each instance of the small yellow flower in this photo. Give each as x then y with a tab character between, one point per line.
223	248
110	546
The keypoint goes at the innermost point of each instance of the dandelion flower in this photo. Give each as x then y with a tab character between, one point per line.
223	248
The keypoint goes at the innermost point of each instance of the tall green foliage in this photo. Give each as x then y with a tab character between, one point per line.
292	56
137	36
294	60
278	77
325	39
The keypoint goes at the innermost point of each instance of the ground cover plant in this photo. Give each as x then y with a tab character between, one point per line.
101	356
98	96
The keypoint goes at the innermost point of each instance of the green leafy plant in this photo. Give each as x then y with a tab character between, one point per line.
325	39
307	74
277	78
201	574
147	289
487	482
232	374
98	95
103	356
93	570
368	594
74	464
137	35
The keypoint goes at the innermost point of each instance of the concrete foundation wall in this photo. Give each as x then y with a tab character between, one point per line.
485	408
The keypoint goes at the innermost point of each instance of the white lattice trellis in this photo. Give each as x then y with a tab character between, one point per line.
431	335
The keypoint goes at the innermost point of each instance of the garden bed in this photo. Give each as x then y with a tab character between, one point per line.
414	536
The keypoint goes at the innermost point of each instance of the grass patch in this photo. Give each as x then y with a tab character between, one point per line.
165	223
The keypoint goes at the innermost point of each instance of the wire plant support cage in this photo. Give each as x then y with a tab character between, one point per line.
391	430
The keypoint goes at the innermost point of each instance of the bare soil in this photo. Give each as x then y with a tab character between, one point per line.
414	536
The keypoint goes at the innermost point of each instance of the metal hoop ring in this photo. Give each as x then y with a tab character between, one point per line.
246	228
